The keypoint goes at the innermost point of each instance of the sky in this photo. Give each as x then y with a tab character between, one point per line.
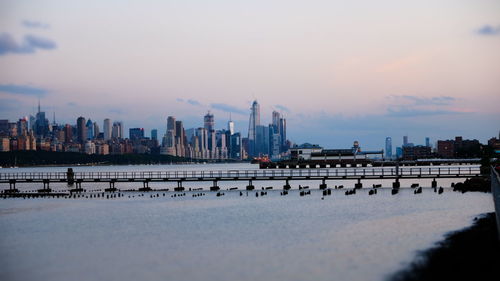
339	71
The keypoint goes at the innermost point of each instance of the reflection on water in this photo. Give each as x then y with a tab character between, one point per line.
357	237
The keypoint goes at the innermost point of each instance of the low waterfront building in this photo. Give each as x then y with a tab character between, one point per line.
416	152
304	151
4	144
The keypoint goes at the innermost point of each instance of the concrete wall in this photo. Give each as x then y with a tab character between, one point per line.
495	190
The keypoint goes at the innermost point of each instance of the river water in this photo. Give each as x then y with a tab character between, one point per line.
232	237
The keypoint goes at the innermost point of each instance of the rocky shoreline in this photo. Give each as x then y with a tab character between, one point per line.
469	254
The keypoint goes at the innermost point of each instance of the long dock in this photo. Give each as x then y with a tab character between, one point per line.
359	174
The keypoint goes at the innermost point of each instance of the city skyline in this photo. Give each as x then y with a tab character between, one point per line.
417	70
400	140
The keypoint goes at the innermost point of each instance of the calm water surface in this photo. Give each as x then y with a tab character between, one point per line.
274	237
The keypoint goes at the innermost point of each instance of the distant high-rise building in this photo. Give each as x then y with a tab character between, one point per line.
171	123
209	122
190	133
427	142
276	120
41	123
179	138
81	130
209	125
90	129
399	152
235	146
169	138
388	147
262	140
220	150
117	130
136	133
96	129
279	127
154	134
405	140
230	126
4	127
202	136
284	143
252	128
107	129
22	127
68	133
274	142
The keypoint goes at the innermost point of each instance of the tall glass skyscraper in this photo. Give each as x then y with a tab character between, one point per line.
388	147
252	127
90	129
81	130
107	129
230	126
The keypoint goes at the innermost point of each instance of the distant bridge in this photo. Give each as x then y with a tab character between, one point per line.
395	173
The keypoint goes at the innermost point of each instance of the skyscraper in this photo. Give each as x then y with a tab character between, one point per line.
32	123
405	140
388	147
170	123
235	146
107	129
279	128
274	142
68	133
41	123
117	130
96	130
276	120
202	136
179	138
427	142
283	135
154	134
209	122
22	126
262	140
169	140
81	130
230	125
222	145
209	125
90	129
252	128
136	133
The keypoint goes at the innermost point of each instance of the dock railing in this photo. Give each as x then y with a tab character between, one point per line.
495	190
255	174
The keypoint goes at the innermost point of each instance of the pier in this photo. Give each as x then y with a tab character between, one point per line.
249	176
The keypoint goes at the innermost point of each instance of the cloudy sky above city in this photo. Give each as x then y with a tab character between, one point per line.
337	70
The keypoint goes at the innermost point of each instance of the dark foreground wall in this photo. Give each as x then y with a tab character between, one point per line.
495	190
